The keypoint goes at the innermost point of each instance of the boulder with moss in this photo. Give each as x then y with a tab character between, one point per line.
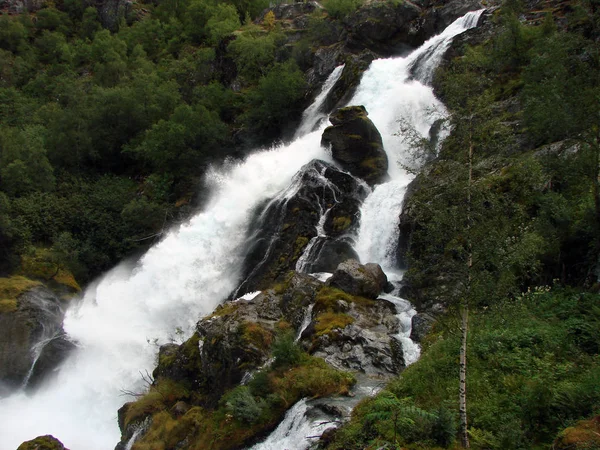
356	144
363	280
32	339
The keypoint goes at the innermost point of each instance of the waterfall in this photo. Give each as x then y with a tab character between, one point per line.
314	114
122	318
399	97
295	430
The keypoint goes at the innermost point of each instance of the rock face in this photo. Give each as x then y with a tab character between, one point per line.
32	340
384	27
308	227
345	86
356	144
365	281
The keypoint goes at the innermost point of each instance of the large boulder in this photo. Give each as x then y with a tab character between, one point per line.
309	226
356	144
32	339
365	281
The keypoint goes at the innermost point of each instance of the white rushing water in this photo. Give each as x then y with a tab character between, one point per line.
295	432
124	316
390	94
314	115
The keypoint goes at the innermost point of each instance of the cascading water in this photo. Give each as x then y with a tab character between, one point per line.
314	114
389	94
123	317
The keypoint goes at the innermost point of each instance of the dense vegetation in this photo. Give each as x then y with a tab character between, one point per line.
105	134
509	205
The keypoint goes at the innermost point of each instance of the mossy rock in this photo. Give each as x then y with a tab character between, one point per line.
11	288
356	144
583	435
47	442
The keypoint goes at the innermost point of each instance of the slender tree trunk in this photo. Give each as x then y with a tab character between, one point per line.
464	327
462	407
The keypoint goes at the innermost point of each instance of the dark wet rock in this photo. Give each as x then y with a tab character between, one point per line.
352	277
47	442
345	87
290	11
32	340
20	6
285	228
356	144
384	27
421	324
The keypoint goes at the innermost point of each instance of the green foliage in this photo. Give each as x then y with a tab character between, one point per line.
223	21
254	53
341	8
24	166
532	371
242	405
276	97
286	351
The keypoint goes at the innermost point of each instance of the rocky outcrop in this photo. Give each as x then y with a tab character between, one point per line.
32	340
47	442
356	144
365	281
345	86
308	227
20	6
384	27
349	331
367	344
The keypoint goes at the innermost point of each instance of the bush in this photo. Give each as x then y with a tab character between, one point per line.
286	351
241	404
339	9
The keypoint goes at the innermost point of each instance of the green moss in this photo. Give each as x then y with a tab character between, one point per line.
301	242
11	288
374	163
255	334
47	442
8	306
41	265
341	223
328	297
327	322
225	309
161	396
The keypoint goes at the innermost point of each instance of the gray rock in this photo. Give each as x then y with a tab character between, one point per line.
352	277
32	339
368	345
421	324
356	144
